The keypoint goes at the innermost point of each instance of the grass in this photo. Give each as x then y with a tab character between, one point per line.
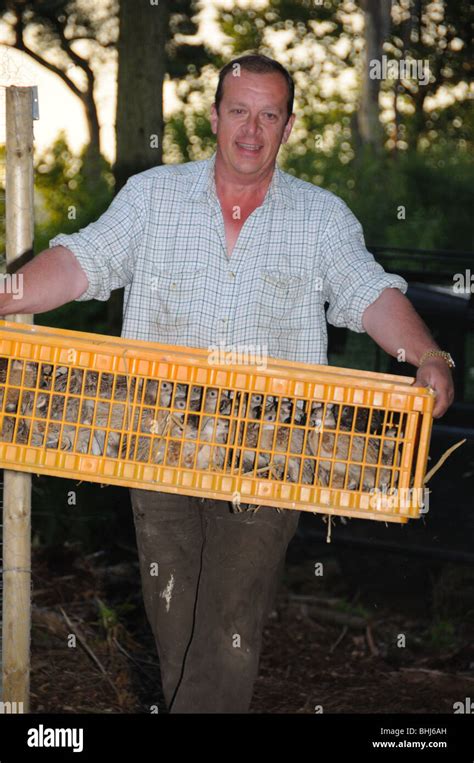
441	635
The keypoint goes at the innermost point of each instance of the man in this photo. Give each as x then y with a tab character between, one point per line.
227	251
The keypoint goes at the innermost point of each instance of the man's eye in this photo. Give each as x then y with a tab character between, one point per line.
271	116
237	111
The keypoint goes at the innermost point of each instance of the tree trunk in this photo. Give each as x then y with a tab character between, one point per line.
93	157
144	30
377	25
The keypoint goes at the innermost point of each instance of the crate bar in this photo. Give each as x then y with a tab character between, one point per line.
423	450
17	485
207	484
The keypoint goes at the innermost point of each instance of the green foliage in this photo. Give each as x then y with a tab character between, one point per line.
188	137
245	28
442	635
355	610
438	34
433	187
110	616
181	56
453	598
101	518
66	199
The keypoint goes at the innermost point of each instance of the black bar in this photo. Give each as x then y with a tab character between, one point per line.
143	737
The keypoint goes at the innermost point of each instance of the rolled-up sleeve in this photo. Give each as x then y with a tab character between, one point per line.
352	279
106	249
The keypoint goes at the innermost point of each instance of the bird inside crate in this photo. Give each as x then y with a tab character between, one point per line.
200	427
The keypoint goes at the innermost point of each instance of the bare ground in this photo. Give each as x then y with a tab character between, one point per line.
325	648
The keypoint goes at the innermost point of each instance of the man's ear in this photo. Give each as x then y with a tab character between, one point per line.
288	128
214	119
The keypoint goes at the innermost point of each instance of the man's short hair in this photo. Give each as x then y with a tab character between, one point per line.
259	64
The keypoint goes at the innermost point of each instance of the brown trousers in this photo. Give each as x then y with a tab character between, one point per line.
209	579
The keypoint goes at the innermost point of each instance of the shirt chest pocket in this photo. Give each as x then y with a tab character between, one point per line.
281	294
179	294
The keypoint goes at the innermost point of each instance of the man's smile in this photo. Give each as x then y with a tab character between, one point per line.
249	148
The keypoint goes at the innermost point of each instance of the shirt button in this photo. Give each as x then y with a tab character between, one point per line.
231	275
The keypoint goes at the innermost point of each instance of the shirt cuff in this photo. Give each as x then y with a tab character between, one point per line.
368	294
96	288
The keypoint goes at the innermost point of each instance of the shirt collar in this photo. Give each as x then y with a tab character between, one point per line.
204	187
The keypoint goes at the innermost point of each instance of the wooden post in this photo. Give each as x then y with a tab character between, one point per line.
17	485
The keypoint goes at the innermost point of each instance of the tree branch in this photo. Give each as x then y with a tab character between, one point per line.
20	45
55	69
94	39
59	27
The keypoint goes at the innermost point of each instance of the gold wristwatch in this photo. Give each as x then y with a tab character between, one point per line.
437	354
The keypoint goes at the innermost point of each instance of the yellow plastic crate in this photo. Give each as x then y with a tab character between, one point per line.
159	417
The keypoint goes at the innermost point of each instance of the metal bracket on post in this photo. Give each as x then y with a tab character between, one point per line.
35	102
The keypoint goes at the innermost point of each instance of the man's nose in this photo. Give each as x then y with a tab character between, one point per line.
252	124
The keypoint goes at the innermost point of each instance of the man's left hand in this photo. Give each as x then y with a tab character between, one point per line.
435	373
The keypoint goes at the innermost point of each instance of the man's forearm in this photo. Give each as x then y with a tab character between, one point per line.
394	324
51	279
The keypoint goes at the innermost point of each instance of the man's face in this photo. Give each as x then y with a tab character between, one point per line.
251	124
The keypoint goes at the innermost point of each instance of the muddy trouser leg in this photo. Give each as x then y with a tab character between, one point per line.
170	535
219	572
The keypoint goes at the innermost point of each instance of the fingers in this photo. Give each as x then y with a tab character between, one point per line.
444	398
439	379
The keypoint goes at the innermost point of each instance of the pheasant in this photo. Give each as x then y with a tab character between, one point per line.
213	429
266	439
